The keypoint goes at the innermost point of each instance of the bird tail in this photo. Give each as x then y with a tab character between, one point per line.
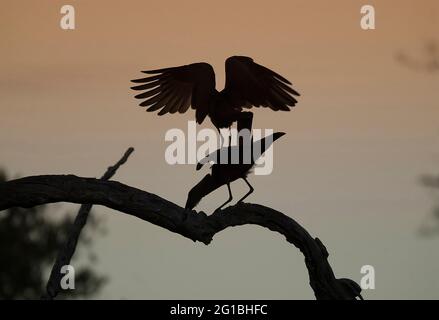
257	148
262	145
202	189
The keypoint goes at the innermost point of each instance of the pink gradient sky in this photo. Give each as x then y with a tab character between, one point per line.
364	130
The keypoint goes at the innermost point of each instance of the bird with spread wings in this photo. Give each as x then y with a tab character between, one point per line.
247	85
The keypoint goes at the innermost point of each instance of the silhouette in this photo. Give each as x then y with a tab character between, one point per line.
145	206
353	290
29	242
224	174
248	84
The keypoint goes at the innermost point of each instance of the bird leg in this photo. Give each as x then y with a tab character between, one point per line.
245	121
248	193
221	137
228	200
230	136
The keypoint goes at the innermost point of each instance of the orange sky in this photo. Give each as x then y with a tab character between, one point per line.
364	129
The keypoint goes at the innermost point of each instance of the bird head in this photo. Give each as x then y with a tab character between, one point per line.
199	191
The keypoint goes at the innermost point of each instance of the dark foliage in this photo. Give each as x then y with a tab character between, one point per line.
29	242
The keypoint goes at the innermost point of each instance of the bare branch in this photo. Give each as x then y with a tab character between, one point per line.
37	190
66	253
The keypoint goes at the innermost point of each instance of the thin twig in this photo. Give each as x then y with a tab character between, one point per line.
65	255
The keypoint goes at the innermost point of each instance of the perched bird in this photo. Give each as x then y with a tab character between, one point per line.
224	174
248	84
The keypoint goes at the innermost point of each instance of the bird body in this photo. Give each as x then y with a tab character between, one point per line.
248	84
220	113
224	174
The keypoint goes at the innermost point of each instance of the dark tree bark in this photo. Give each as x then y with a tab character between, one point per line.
197	226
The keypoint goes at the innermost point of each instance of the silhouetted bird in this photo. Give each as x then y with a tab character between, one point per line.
224	174
248	84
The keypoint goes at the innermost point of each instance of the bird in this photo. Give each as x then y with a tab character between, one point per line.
248	84
225	173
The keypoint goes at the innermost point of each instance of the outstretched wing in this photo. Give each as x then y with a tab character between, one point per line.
176	89
250	84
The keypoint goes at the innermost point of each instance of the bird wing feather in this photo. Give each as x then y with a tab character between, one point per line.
175	89
249	84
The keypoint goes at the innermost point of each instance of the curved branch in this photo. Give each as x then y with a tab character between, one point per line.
197	226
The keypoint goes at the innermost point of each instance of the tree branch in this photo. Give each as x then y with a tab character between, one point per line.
66	253
36	190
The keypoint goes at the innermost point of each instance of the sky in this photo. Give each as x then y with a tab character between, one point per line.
364	131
